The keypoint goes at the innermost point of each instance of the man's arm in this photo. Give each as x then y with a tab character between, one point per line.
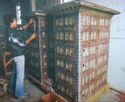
32	37
28	24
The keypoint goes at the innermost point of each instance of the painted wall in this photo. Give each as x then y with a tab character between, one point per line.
25	5
5	8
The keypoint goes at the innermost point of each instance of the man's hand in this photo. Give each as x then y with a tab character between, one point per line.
31	21
32	37
28	24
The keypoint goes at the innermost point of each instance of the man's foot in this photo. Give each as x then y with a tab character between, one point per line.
10	92
24	96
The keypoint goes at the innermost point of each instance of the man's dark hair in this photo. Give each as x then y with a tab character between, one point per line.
7	19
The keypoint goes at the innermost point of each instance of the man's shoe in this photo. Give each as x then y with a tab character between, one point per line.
27	94
10	92
24	96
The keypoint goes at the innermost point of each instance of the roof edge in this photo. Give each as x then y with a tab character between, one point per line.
74	4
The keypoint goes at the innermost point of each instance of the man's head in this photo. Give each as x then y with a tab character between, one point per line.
10	21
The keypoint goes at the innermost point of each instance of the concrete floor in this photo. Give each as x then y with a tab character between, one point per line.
30	88
110	96
36	93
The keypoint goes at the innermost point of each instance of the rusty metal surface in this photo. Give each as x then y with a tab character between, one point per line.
81	40
95	34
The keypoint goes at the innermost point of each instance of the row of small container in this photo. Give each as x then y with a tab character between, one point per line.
85	36
65	64
66	92
70	80
86	89
94	86
85	20
93	63
103	47
91	35
100	48
66	21
94	20
72	51
88	65
102	59
65	36
68	51
87	77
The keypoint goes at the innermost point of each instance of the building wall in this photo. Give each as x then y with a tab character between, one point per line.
5	8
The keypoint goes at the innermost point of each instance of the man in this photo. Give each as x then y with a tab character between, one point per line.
17	45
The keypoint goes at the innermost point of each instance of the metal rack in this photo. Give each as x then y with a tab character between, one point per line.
81	42
38	53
